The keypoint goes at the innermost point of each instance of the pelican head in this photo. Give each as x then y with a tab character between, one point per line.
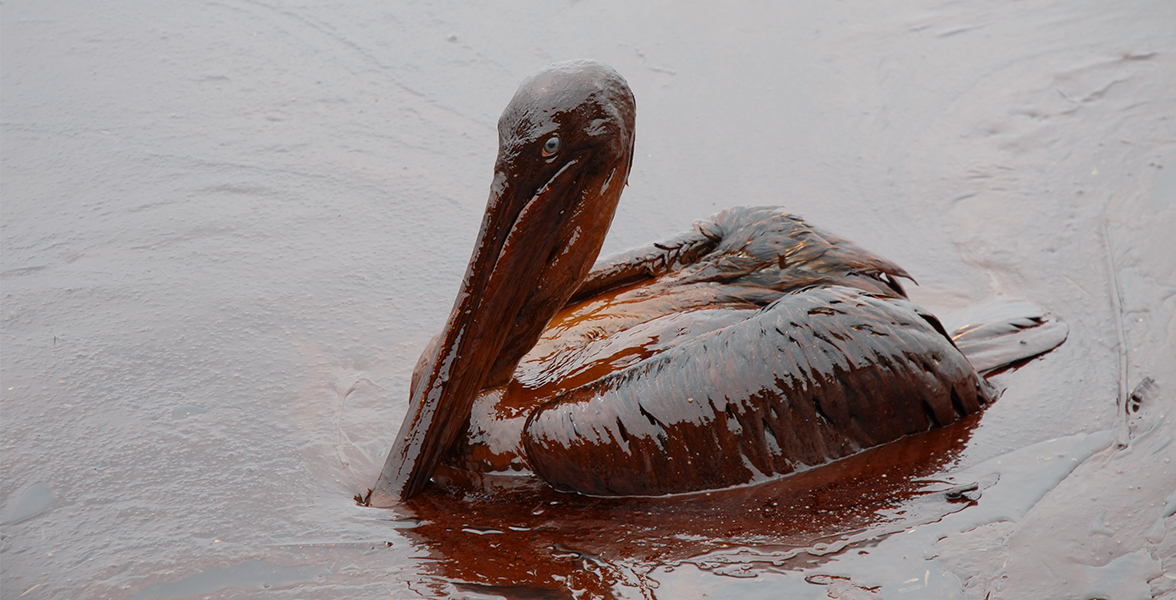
565	146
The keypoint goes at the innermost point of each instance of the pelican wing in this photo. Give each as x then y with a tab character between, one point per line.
817	375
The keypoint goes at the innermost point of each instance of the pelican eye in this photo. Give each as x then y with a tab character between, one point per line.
552	145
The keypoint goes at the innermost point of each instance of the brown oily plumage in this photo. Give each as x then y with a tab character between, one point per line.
817	375
753	345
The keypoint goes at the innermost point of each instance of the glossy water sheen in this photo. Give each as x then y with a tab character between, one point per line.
230	229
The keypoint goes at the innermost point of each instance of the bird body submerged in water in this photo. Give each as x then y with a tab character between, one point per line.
754	345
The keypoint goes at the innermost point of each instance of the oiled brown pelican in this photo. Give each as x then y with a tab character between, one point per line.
752	346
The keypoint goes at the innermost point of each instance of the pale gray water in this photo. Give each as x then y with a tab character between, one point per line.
229	229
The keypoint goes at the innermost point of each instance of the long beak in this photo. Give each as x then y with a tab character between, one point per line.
518	238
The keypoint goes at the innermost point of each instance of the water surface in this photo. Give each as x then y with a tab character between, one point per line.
229	228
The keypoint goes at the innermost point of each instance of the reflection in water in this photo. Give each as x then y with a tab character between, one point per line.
529	541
